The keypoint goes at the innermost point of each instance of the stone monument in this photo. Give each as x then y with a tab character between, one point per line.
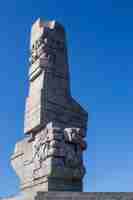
49	160
50	157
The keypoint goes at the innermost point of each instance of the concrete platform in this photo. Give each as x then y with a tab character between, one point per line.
75	196
83	196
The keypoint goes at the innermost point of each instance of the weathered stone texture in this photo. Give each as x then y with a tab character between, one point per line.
51	156
75	196
84	196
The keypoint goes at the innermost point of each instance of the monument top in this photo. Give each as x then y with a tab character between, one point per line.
40	25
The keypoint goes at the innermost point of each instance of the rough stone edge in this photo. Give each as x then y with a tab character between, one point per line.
75	196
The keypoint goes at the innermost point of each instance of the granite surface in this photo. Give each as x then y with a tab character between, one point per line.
76	196
50	157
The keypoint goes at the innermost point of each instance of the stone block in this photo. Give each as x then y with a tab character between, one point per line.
84	196
73	196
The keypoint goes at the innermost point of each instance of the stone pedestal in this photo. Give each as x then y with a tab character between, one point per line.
76	196
84	196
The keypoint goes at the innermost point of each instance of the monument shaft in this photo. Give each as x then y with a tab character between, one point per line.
50	158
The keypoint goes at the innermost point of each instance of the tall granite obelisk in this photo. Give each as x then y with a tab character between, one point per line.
50	157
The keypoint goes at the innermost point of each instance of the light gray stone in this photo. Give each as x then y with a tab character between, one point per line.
50	158
75	196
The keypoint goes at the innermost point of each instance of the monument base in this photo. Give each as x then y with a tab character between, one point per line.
75	196
84	196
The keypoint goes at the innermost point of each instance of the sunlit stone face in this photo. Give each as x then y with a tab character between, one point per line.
52	157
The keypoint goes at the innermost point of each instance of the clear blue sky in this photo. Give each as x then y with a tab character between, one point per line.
100	41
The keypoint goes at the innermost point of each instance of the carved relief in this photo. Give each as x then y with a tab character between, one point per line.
73	158
63	145
45	47
75	136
